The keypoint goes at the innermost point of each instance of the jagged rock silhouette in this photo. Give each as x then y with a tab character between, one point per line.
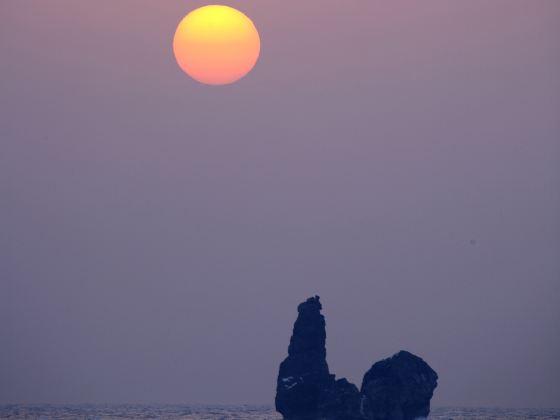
397	388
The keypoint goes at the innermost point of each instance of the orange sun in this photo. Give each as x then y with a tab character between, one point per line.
216	45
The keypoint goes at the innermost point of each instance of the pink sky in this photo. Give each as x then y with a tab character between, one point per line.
398	158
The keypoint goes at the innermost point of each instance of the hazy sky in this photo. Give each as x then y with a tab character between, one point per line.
401	159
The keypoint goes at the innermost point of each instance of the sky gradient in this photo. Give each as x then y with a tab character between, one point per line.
400	159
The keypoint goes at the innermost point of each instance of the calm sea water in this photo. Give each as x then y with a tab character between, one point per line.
185	412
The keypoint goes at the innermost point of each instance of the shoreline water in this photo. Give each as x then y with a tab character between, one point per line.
237	412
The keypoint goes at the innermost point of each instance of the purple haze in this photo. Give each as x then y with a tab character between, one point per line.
400	159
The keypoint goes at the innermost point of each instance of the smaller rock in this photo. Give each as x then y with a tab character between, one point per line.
342	401
399	388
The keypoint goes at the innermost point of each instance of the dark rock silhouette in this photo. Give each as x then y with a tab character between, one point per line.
398	388
304	374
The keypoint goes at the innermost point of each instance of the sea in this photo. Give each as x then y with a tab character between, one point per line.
237	412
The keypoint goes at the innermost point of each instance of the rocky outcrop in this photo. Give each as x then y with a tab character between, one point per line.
398	388
304	374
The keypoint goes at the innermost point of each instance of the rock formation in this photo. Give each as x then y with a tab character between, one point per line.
398	388
304	374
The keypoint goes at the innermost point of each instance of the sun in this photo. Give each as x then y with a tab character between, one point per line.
216	45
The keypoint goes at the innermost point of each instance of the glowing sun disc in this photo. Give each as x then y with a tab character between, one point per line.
216	45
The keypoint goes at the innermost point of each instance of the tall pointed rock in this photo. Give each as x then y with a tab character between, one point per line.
304	374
